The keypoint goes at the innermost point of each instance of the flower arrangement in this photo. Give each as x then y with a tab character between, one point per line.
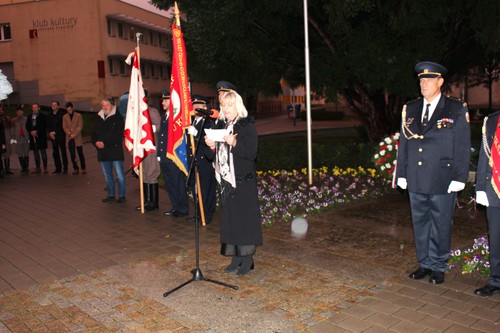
475	259
284	195
385	158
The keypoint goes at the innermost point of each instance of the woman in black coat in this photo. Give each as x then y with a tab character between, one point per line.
240	227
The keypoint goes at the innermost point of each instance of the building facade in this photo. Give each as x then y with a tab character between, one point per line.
74	50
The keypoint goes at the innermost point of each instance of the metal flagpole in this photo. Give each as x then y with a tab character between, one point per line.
308	95
141	184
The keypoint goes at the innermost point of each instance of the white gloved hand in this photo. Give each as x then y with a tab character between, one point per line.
456	186
12	141
192	130
482	198
402	183
154	128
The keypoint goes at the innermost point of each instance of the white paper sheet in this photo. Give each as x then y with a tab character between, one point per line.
216	135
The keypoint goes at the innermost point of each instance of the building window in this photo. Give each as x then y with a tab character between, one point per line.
111	66
5	31
160	40
152	38
120	30
123	69
110	27
153	70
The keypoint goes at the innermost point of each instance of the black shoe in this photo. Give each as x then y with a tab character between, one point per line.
420	273
437	277
246	265
121	200
56	172
235	263
170	212
108	199
191	219
487	291
178	214
65	172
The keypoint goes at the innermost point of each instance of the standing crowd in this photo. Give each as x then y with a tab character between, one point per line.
21	134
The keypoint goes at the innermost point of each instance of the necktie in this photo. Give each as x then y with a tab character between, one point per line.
426	115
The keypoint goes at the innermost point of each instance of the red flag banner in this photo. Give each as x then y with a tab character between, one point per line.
138	132
180	102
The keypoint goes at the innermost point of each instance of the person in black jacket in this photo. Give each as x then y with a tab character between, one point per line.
235	171
206	172
433	164
488	194
107	137
58	138
36	124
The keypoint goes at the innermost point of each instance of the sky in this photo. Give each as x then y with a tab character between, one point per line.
144	4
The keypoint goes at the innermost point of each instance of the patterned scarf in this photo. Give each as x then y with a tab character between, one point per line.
224	167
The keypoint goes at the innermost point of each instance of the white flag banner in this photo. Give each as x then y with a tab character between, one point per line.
138	133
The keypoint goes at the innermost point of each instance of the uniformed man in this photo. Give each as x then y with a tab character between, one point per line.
488	194
206	171
433	164
151	165
175	180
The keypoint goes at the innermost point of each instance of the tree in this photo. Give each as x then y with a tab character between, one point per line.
363	50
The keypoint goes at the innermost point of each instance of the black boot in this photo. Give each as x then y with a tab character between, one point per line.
235	263
150	205
153	196
7	166
1	169
147	199
26	164
246	265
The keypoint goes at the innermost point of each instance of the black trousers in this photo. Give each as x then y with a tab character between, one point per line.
493	214
72	154
58	153
432	217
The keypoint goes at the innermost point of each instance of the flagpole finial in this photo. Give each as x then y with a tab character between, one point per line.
177	14
138	37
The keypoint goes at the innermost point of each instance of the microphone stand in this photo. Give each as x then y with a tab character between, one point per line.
197	274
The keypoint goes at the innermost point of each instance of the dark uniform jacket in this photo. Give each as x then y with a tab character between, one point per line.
483	168
430	163
109	130
41	129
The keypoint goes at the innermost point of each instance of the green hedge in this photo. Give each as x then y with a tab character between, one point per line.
343	148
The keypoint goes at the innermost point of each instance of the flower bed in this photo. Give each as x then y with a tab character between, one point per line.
284	195
472	260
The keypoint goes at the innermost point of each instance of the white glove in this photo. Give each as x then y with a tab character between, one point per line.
482	198
402	183
12	141
192	130
455	186
154	128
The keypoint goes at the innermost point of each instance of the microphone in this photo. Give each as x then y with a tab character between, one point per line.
214	113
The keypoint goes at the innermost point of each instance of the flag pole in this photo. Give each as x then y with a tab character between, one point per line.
141	183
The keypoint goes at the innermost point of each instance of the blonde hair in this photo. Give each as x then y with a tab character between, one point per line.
233	97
